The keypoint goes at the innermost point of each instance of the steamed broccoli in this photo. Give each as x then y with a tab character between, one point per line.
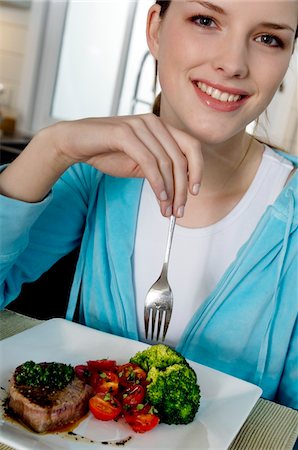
159	356
172	384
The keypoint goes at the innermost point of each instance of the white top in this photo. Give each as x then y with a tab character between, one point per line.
199	256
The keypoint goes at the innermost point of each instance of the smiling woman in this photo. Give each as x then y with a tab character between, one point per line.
271	126
110	184
235	48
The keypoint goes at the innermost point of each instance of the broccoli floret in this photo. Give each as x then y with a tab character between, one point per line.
182	395
172	384
159	356
156	387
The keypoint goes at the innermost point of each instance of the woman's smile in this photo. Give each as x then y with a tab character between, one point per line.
220	98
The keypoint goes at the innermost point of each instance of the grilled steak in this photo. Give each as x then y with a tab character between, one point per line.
45	408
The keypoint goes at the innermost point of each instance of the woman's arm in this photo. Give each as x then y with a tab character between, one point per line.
32	174
40	229
129	146
35	235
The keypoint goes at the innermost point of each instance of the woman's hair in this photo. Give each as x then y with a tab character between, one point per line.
164	4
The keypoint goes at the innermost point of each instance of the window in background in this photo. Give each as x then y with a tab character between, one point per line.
93	58
88	62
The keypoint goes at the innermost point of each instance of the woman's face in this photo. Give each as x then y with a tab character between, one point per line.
220	61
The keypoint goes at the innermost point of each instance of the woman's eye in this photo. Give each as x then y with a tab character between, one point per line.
270	40
204	21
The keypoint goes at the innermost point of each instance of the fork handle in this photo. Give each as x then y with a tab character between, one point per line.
169	241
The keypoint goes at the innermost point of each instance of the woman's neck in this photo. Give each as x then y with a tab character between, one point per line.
226	166
228	173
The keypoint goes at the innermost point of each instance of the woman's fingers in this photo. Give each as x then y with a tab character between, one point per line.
160	149
170	159
145	150
173	167
192	149
186	158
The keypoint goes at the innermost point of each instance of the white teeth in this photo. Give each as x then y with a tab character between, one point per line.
231	98
217	94
224	97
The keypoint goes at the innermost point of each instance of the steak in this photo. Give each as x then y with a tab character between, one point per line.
44	408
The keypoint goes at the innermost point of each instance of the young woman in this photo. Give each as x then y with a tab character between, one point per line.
101	183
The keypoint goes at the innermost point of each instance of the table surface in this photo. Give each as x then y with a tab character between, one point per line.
268	427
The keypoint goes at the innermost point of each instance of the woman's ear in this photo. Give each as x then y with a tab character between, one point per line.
152	30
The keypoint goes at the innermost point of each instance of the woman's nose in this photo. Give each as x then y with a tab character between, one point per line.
231	59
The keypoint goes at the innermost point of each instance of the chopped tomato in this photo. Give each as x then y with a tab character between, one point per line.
132	396
102	364
119	392
104	406
82	372
130	374
141	418
105	381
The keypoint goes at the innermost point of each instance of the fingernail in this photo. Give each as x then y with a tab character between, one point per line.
180	211
196	188
168	211
163	196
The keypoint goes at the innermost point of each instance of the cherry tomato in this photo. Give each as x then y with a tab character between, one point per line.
132	395
104	406
105	381
82	372
130	374
141	419
102	364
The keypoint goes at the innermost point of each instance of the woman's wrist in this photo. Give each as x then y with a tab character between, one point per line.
32	174
52	142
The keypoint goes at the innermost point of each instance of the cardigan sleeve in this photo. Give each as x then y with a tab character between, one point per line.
35	235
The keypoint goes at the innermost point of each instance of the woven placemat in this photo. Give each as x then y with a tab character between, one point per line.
268	427
12	323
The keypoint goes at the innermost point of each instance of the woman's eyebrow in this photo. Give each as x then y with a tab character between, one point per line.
211	6
277	26
219	10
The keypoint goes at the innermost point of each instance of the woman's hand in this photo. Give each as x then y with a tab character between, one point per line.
127	146
136	146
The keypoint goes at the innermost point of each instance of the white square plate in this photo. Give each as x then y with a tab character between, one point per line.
225	404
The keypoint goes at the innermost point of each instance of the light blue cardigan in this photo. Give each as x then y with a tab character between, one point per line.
246	327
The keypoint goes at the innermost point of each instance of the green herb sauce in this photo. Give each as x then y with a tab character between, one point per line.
50	375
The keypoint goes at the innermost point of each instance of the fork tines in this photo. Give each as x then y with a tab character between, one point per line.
162	316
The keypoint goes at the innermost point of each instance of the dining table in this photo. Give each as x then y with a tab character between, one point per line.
269	426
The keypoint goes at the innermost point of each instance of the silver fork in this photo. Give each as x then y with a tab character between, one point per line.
159	299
